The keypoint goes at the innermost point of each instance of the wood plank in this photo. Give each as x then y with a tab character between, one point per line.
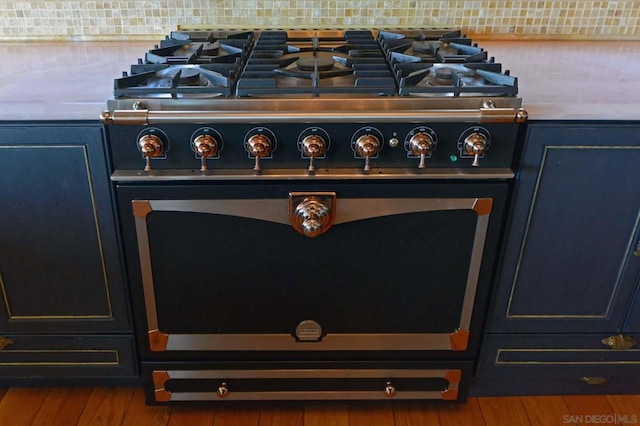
19	406
326	414
369	414
626	408
546	410
106	406
281	414
62	406
201	415
582	407
507	411
139	414
419	413
468	414
244	414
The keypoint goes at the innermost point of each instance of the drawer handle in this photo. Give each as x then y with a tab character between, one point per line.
594	380
4	342
390	390
619	342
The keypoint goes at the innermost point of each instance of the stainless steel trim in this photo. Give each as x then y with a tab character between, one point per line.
276	210
331	342
303	395
308	374
480	115
320	174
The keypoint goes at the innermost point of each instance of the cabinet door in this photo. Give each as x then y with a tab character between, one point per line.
568	263
59	259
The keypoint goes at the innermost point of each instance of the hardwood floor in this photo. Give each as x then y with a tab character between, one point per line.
125	406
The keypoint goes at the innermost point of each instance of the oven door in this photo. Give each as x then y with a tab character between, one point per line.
338	269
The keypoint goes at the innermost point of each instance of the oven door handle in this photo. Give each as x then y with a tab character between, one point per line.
480	115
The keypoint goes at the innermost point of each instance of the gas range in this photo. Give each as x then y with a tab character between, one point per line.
336	96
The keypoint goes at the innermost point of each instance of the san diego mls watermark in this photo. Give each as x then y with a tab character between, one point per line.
601	419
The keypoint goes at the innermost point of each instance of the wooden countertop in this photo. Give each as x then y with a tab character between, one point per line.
563	80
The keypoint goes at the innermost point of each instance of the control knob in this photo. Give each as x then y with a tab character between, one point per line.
476	144
206	146
313	146
151	146
367	146
421	144
259	146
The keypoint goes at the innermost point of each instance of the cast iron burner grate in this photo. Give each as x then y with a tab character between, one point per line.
283	64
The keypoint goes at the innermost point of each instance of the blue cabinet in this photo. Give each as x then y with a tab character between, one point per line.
570	264
60	266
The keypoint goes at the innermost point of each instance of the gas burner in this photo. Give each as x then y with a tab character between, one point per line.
211	49
191	77
422	46
319	64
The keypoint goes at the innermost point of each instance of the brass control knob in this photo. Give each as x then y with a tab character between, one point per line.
151	146
312	217
422	144
259	146
205	146
223	390
476	144
390	390
313	146
367	146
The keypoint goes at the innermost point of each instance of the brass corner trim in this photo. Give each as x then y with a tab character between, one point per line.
450	394
158	340
141	208
4	342
162	395
483	206
160	377
453	376
459	340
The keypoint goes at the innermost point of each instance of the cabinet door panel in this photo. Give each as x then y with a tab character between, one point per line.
568	263
59	262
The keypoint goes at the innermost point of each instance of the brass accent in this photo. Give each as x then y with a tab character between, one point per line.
312	214
106	117
4	342
595	380
450	394
367	146
223	390
160	377
141	208
390	390
421	144
313	146
151	146
205	146
619	342
394	142
483	206
459	340
158	340
522	116
476	144
259	146
453	376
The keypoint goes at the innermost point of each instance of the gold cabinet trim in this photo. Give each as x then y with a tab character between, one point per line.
98	236
526	234
116	355
497	360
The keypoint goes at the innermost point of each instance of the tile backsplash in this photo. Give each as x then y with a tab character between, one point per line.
150	19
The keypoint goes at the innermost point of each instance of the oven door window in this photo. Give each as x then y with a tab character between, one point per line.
387	274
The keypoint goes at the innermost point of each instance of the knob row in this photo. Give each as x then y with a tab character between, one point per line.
312	146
